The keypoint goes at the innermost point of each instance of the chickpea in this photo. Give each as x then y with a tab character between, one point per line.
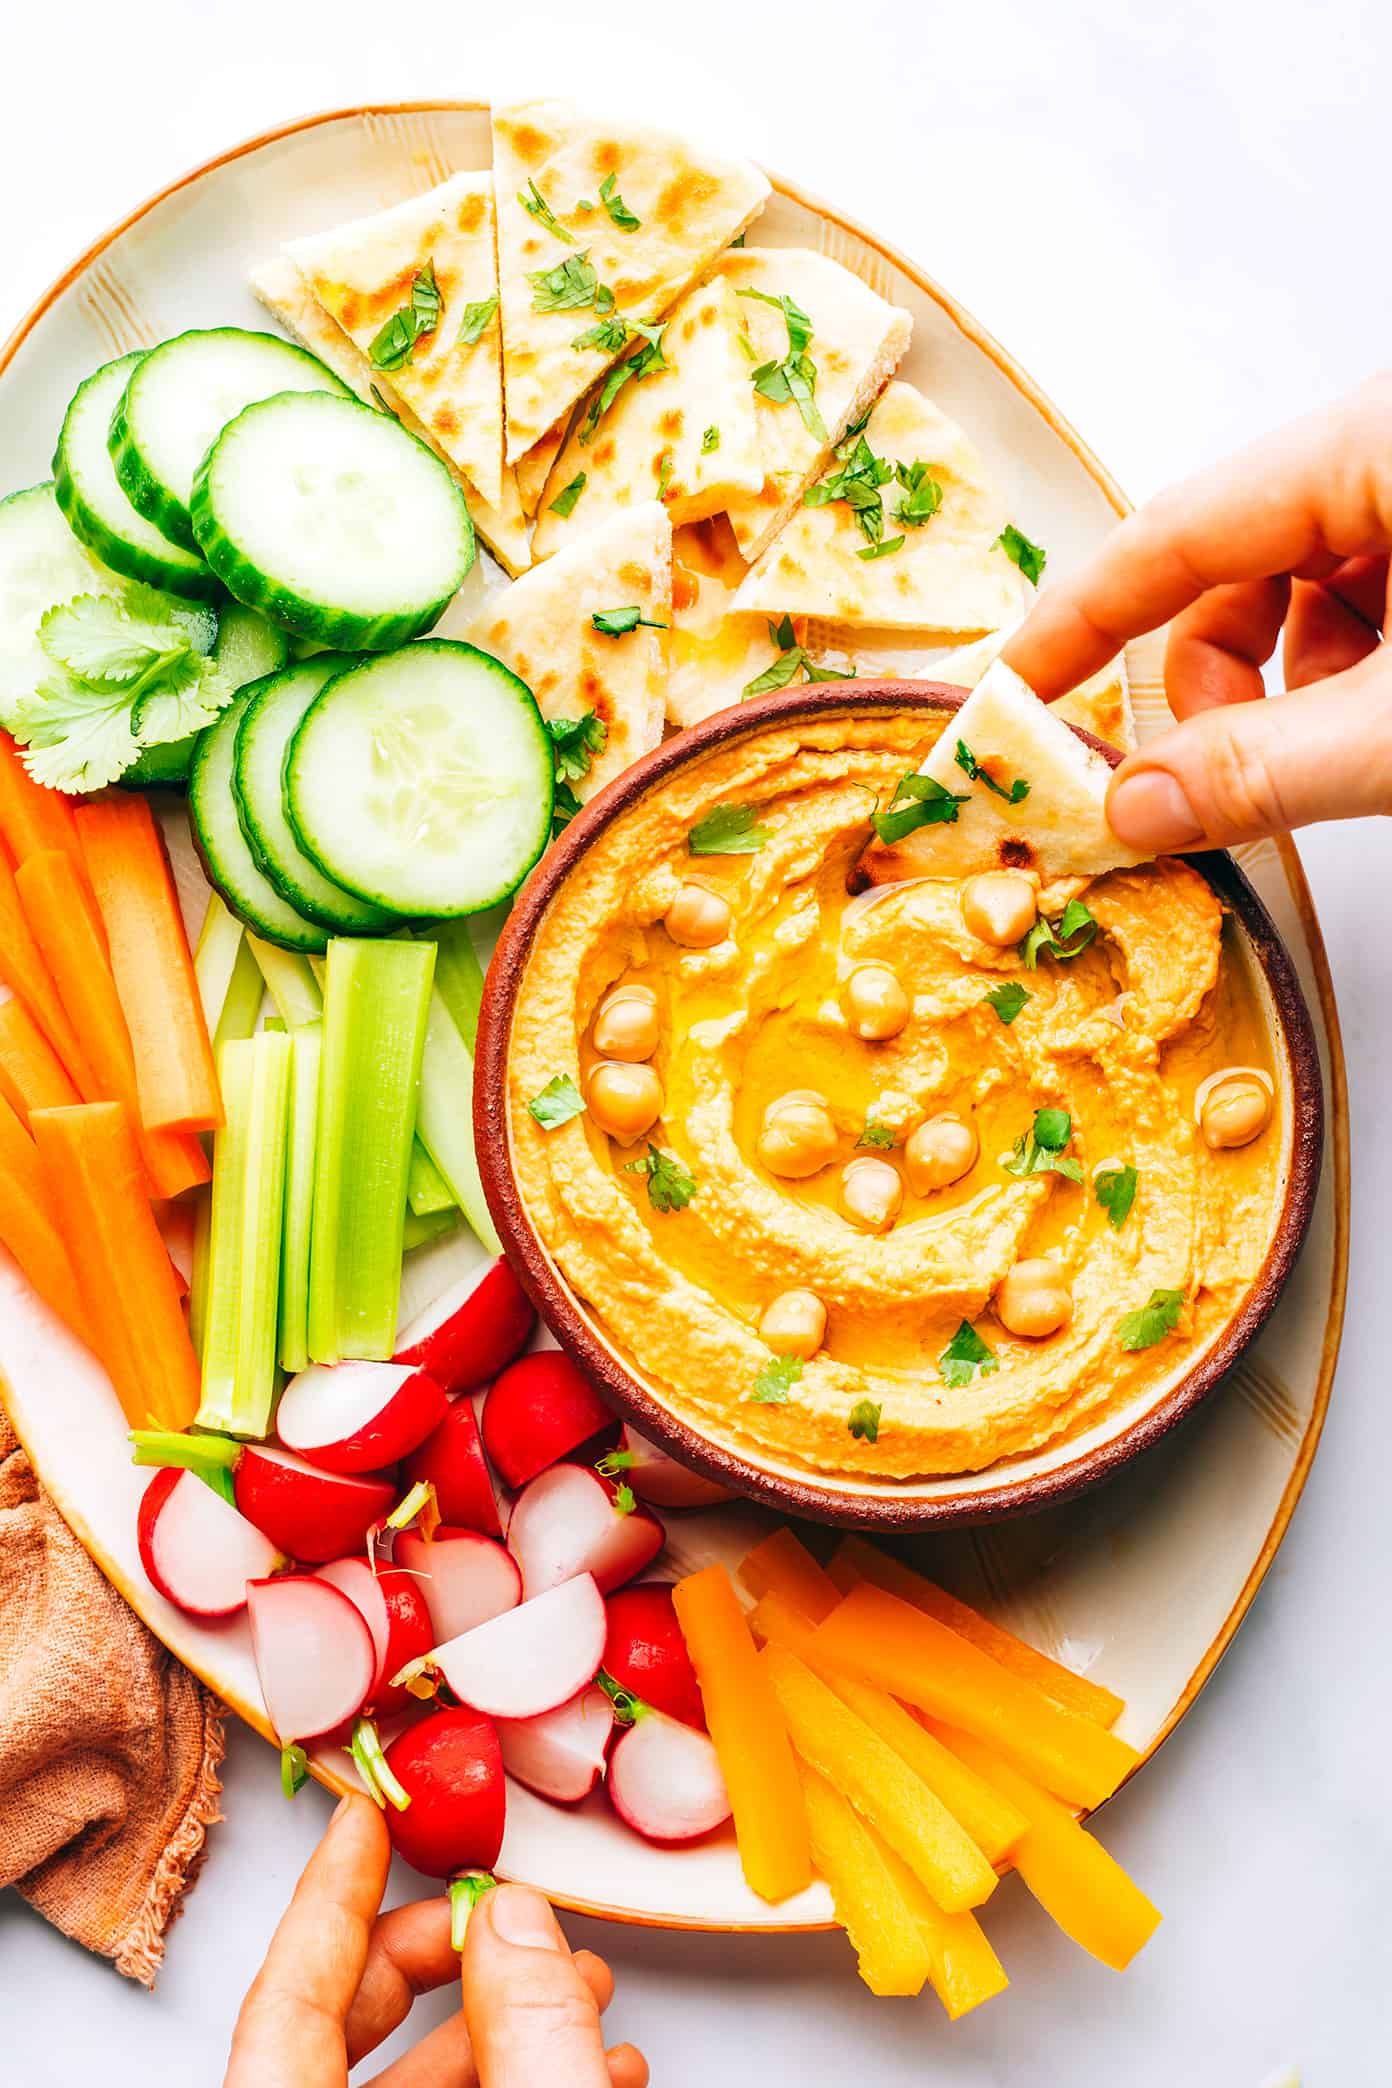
1000	906
940	1152
876	1004
623	1100
798	1135
626	1026
1235	1110
1034	1299
871	1194
698	919
794	1324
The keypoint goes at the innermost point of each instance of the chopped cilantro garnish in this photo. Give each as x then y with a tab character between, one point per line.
864	1420
922	496
1030	558
670	1187
537	206
964	1356
1151	1322
1115	1190
710	440
792	659
772	1385
476	318
617	623
568	287
858	484
879	1137
1040	1150
728	830
968	763
575	742
558	1102
664	474
609	336
882	549
564	503
1076	929
1007	1000
918	801
795	377
648	359
619	212
394	343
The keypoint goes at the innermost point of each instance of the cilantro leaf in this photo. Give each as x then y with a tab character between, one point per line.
882	550
772	1385
617	623
185	698
574	741
964	1356
923	496
795	377
1115	1190
394	342
476	318
1041	1149
1013	793
99	640
670	1186
918	801
564	503
568	287
558	1102
778	676
1030	558
648	359
864	1420
76	738
619	212
1007	1000
710	440
537	206
1075	930
609	335
877	1136
664	474
858	484
1151	1322
728	830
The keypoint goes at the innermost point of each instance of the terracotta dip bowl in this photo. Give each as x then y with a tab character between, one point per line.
983	1452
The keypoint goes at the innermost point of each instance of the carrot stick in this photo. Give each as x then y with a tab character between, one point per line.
31	1073
31	818
750	1738
26	1223
63	929
124	1275
175	1076
25	973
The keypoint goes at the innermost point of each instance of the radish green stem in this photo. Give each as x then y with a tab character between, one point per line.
301	1140
417	1678
383	1787
421	1496
445	1123
239	1341
465	1892
628	1708
212	1457
615	1461
294	1769
376	997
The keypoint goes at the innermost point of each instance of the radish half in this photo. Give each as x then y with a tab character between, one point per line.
314	1654
665	1780
560	1754
532	1658
464	1579
358	1417
198	1551
452	1461
568	1521
656	1477
646	1654
451	1768
465	1341
538	1411
395	1612
310	1515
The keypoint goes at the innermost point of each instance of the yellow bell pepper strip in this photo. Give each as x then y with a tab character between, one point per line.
963	1969
782	1565
892	1950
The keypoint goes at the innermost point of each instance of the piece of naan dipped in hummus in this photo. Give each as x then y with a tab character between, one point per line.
717	654
285	293
820	345
1007	786
598	223
680	430
1101	705
544	628
416	289
901	531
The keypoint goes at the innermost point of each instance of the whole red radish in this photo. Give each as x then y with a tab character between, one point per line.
646	1654
309	1515
465	1339
537	1411
394	1611
452	1461
358	1417
560	1754
314	1655
568	1520
463	1578
451	1767
198	1551
656	1477
531	1658
664	1779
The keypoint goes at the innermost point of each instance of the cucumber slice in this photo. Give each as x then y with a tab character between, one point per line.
423	782
161	768
179	399
98	511
332	520
258	766
246	648
220	842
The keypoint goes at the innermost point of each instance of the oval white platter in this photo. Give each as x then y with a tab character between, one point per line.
1141	1584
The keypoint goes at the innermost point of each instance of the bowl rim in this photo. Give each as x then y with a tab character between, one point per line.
892	1511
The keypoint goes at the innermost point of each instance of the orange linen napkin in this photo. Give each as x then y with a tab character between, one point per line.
109	1749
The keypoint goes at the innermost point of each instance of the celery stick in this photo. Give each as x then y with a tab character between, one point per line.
230	985
305	1053
418	1232
289	981
445	1121
427	1191
198	1280
376	996
239	1339
459	977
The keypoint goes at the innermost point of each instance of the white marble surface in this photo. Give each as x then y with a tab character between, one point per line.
1174	218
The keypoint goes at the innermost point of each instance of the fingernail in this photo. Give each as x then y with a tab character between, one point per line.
1150	810
519	1916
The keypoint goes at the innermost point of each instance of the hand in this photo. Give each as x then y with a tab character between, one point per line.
339	1978
1293	532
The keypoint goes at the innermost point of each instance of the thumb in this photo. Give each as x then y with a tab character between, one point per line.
532	2019
1246	769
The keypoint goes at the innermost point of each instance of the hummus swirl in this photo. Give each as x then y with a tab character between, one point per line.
1119	1036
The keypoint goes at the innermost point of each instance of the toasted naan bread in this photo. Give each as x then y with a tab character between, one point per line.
948	574
541	627
285	293
362	274
688	205
714	653
857	340
534	469
686	435
1059	829
1101	705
